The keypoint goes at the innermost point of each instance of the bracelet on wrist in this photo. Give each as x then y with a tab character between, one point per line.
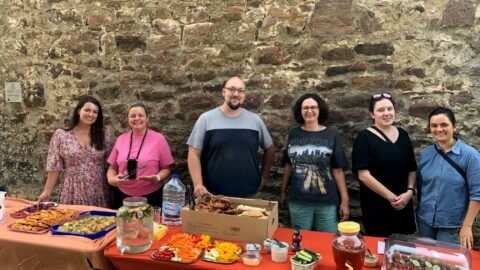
413	190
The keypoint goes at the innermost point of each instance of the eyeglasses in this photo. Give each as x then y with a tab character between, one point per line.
380	95
232	90
311	108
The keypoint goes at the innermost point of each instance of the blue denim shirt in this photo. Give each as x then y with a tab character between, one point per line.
443	192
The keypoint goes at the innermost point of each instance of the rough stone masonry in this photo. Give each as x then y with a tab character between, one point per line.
173	55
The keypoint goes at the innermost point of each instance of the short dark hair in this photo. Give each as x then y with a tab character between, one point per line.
97	132
442	110
322	107
373	101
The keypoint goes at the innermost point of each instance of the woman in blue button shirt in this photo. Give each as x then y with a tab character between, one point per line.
448	203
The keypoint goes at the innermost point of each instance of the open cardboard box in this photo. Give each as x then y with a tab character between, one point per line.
230	227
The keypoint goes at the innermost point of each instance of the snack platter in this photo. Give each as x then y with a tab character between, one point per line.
27	231
56	230
231	256
42	221
158	254
33	209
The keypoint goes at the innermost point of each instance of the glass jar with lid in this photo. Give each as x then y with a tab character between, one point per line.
134	225
348	246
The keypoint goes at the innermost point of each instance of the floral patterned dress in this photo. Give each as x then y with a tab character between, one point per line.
83	170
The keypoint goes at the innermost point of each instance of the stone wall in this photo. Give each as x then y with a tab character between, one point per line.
173	55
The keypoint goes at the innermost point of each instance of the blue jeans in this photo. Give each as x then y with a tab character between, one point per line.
318	217
441	234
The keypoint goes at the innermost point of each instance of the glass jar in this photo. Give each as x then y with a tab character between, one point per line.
348	246
134	225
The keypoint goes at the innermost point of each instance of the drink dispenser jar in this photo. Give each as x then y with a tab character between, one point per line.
404	252
134	225
348	246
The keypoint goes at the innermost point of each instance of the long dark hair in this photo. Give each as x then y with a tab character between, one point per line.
97	132
322	107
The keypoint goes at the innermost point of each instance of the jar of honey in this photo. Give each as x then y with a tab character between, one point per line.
348	246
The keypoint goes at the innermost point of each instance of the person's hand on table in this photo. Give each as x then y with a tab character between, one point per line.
44	197
200	190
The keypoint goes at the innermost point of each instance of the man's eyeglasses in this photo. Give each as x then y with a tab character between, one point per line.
380	95
232	90
311	108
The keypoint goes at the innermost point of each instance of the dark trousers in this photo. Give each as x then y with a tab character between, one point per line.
154	199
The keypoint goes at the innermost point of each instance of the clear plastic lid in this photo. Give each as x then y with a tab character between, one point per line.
410	252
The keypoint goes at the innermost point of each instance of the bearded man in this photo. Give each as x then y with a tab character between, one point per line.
223	147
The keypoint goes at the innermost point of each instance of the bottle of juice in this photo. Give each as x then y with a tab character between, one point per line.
296	239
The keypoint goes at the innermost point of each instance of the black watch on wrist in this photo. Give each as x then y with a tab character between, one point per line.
413	191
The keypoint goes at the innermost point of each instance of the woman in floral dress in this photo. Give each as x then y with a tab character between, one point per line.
77	156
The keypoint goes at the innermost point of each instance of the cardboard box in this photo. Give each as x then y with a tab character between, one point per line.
230	227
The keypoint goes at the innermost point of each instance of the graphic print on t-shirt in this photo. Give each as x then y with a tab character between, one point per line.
309	163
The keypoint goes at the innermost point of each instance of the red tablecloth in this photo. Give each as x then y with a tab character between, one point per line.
317	241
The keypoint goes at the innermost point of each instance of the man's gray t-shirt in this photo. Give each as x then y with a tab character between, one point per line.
229	145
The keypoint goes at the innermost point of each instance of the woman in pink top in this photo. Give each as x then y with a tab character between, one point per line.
140	160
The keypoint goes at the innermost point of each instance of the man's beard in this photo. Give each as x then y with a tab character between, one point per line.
232	106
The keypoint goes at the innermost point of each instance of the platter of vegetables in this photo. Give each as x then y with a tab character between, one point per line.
223	252
181	248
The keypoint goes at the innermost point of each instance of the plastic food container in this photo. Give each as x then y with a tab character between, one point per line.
279	254
251	259
408	252
297	266
371	260
267	245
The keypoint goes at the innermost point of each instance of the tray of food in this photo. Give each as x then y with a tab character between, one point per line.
90	224
167	253
181	248
412	253
223	252
33	209
41	222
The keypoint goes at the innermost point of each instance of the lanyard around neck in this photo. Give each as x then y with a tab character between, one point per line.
141	145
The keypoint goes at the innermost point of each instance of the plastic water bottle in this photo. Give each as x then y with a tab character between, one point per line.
173	201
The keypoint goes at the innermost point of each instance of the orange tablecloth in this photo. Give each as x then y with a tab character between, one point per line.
46	251
316	241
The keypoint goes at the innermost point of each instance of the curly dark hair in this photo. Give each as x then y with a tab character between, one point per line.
322	106
97	131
